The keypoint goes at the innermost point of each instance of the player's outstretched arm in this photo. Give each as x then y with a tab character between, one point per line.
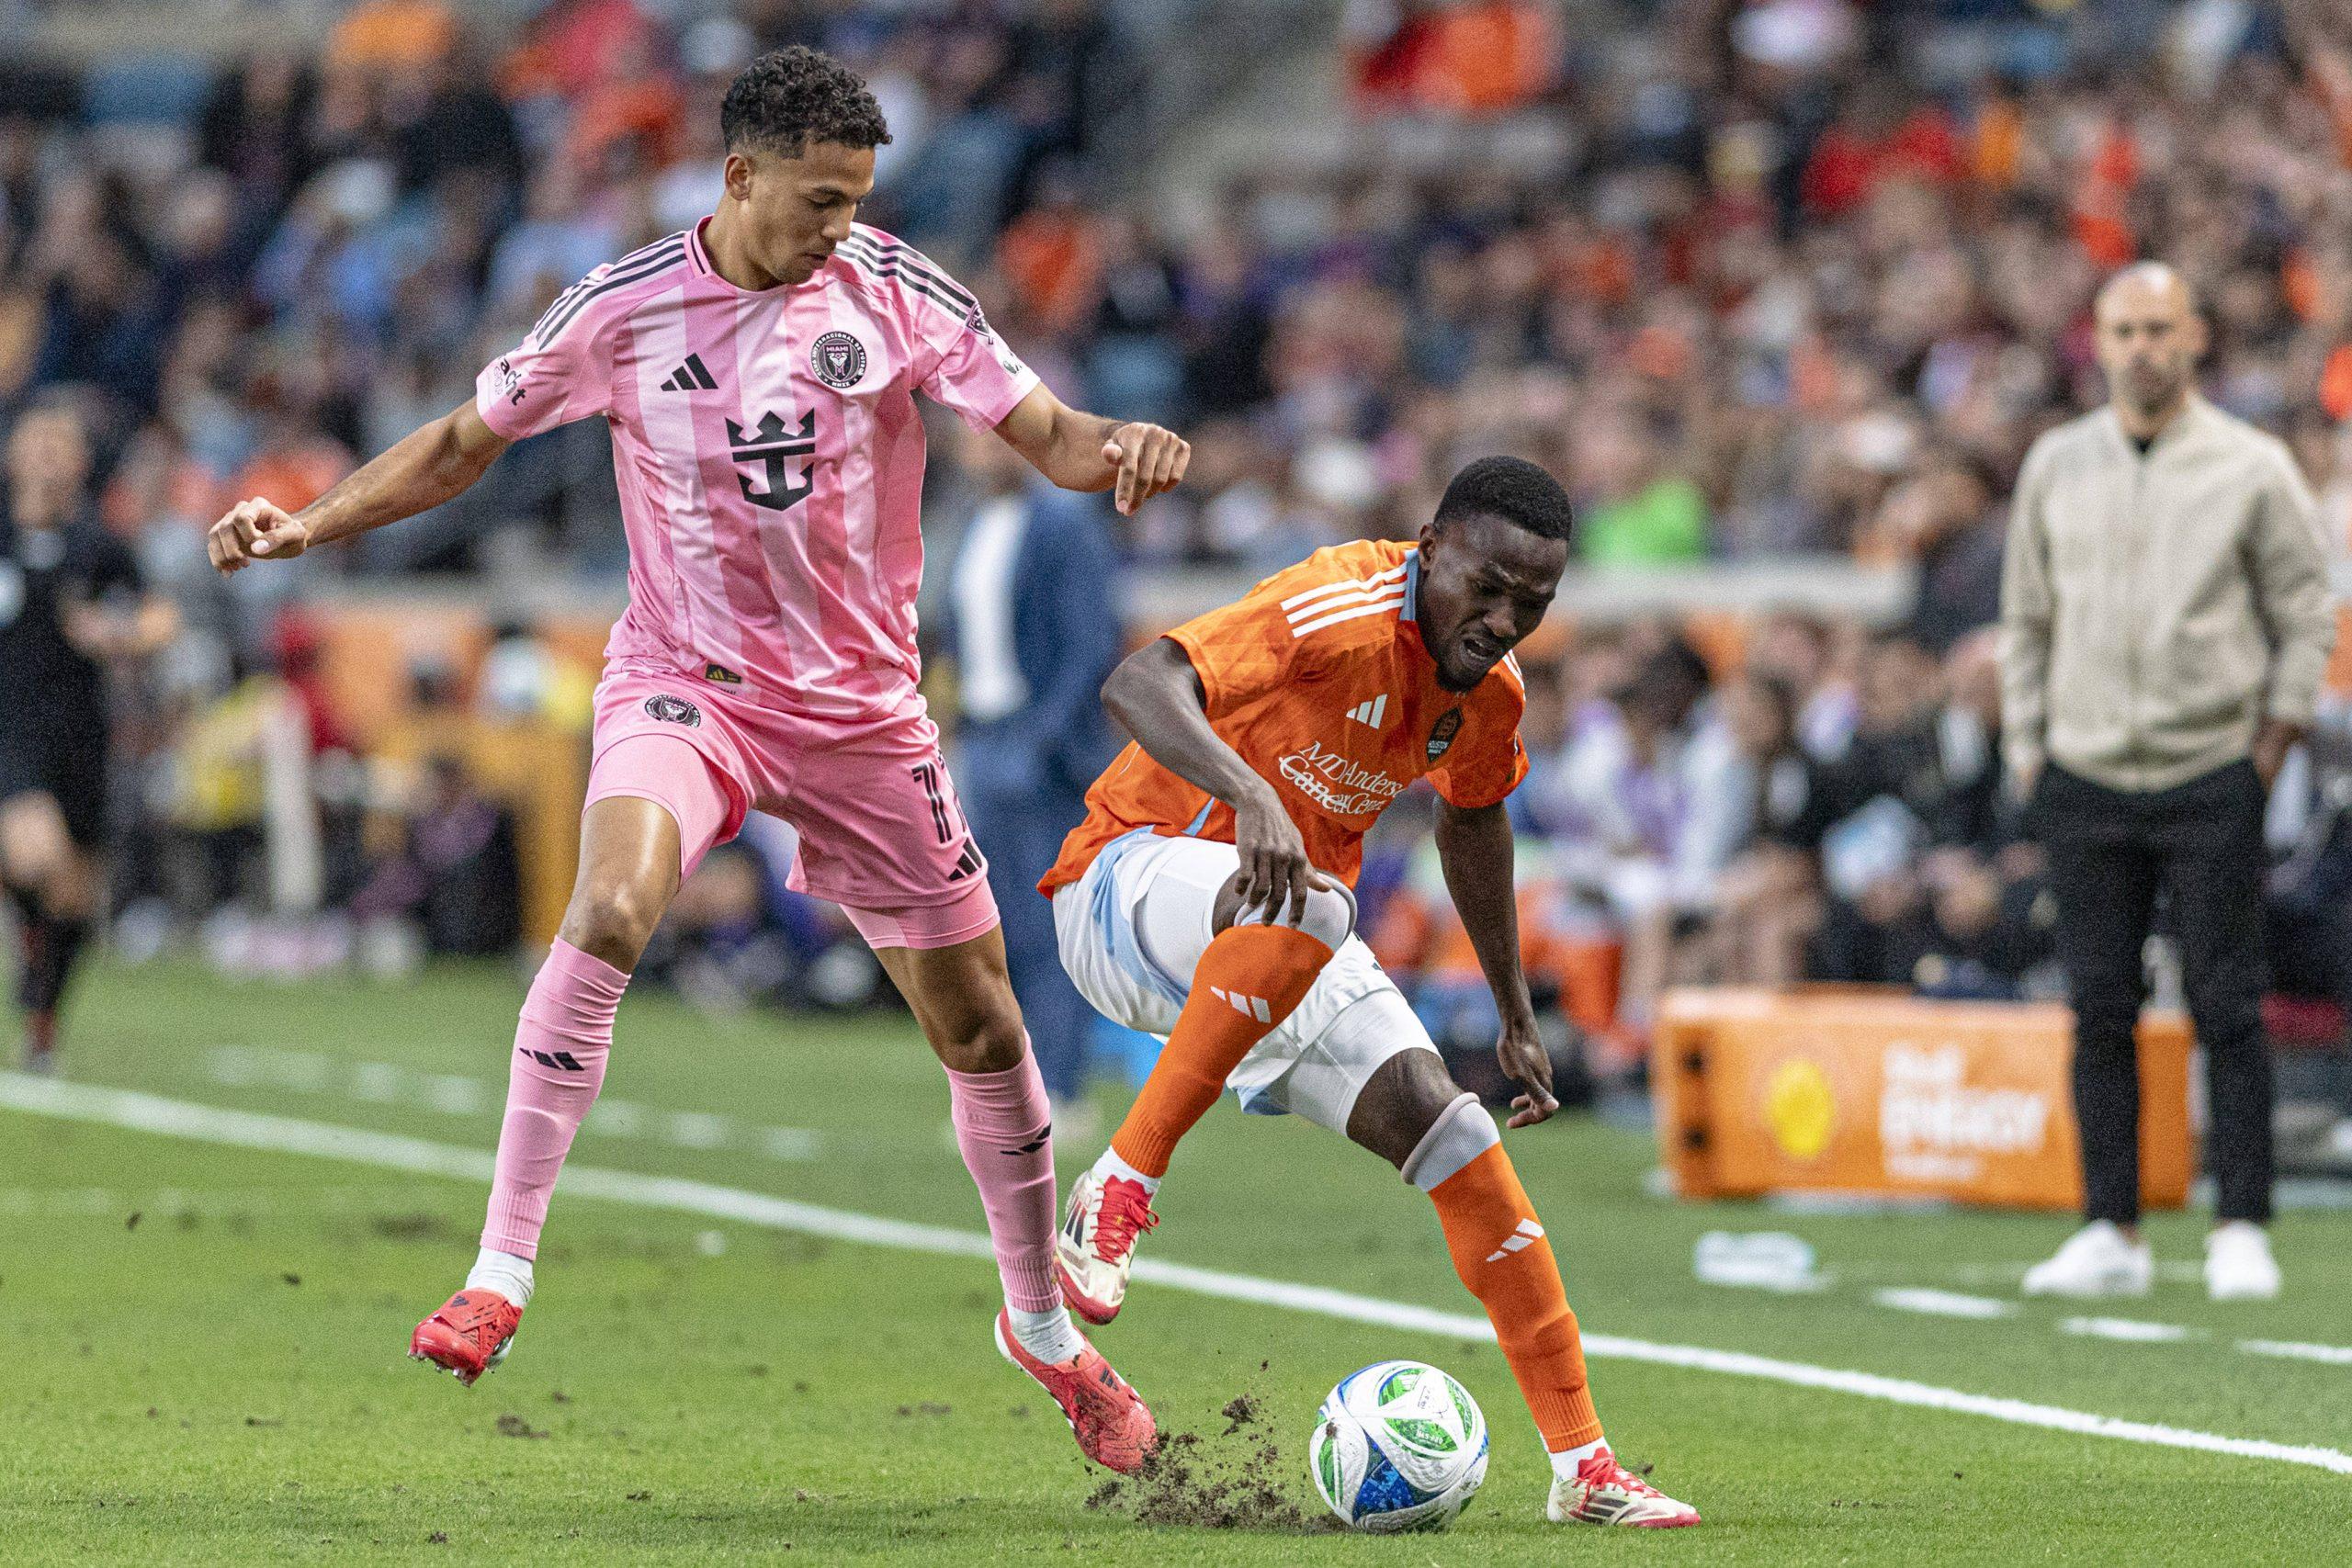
1474	847
420	472
1087	452
1156	694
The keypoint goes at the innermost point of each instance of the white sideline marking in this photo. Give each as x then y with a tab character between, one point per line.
1942	1304
2338	1355
286	1135
385	1083
2130	1330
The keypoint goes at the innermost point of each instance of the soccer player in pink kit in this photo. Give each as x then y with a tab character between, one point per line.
757	373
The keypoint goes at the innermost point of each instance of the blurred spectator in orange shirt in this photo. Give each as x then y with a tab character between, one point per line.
393	35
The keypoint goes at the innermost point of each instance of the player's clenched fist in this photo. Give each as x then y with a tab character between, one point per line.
255	530
1150	459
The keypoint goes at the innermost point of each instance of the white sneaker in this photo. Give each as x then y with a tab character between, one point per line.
2238	1265
1606	1493
2096	1261
1096	1246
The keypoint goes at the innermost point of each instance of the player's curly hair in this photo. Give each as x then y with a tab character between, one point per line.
789	98
1513	490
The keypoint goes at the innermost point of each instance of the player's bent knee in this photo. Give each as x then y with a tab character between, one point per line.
612	921
1329	916
994	1042
1458	1135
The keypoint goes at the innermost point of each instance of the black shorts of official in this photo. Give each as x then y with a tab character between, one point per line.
69	765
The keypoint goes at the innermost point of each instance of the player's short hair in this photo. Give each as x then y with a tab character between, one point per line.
1514	490
790	97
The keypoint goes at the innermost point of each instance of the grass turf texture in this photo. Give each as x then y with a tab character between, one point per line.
223	1381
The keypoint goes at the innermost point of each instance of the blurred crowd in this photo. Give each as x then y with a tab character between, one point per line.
246	275
1755	278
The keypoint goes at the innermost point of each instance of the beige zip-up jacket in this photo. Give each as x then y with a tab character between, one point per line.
2157	608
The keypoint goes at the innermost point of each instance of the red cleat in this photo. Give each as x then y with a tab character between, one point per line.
469	1335
1113	1425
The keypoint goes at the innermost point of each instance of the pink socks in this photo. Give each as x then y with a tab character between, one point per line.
1004	1127
1003	1124
560	1043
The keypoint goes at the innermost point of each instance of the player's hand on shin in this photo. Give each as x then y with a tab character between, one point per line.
1520	1051
255	530
1275	875
1150	459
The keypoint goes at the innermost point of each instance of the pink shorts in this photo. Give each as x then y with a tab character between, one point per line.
881	832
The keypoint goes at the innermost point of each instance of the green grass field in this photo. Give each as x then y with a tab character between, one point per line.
201	1346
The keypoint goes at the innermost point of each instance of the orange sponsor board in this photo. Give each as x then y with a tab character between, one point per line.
1851	1090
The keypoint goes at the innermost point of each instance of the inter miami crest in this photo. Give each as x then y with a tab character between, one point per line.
673	710
1441	733
839	360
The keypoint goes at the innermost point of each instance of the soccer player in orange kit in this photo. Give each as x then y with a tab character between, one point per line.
1206	898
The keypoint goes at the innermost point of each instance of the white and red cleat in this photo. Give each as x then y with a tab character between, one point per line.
1096	1246
468	1335
1113	1425
1606	1493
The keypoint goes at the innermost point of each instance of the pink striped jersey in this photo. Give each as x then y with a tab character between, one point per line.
769	455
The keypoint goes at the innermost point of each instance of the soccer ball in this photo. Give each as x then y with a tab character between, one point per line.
1398	1446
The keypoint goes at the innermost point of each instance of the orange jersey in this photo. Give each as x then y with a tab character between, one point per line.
1319	680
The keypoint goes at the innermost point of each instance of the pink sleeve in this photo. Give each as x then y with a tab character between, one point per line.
976	374
562	371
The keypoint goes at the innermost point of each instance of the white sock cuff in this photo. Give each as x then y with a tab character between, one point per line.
505	1272
1111	1165
1049	1335
1461	1132
1564	1463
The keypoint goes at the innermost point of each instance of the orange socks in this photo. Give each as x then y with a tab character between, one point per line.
1248	979
1500	1253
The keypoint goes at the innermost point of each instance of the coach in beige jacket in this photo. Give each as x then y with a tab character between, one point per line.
2165	619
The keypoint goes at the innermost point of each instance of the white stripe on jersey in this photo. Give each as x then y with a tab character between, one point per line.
1388	603
1356	584
1339	600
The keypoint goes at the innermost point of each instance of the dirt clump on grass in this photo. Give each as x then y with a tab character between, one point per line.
1235	1480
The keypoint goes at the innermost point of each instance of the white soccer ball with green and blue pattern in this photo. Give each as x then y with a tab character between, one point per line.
1398	1446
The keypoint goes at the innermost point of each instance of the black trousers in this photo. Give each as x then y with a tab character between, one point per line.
2111	852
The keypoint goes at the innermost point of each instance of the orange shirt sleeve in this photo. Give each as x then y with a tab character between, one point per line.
1487	760
1242	651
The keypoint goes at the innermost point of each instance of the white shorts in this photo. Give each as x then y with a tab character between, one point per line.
1313	1065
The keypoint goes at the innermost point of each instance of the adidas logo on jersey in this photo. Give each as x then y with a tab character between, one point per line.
1373	713
1527	1236
1247	1006
691	376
